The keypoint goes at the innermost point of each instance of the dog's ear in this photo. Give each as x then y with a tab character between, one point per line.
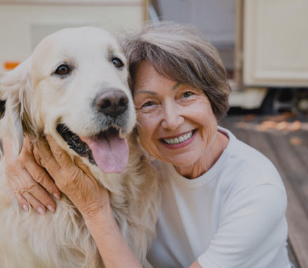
14	86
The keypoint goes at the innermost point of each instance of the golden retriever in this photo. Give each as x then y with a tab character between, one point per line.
74	87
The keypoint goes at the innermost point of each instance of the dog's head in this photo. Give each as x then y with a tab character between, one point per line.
74	87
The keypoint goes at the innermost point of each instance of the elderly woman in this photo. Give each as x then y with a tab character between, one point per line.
223	203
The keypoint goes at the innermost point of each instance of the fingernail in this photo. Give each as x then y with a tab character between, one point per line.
56	196
41	211
25	208
51	208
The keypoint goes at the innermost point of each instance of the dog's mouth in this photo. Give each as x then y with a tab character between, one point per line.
107	149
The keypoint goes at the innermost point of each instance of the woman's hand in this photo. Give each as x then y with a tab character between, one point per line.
28	180
73	178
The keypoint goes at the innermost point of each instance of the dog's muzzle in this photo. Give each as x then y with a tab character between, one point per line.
106	149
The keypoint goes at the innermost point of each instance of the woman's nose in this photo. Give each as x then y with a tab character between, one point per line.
172	118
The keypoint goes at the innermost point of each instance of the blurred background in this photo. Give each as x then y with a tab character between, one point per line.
264	47
263	43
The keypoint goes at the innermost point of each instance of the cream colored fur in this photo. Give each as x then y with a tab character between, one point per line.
36	100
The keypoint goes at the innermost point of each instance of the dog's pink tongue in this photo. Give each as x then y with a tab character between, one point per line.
110	152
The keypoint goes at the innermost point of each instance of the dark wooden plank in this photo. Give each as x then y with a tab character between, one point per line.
290	160
299	142
298	227
291	166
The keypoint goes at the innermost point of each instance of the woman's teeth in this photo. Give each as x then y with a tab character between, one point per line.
179	139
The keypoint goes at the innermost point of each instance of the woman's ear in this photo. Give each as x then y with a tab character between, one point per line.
13	87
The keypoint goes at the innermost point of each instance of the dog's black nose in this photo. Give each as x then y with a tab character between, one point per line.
112	102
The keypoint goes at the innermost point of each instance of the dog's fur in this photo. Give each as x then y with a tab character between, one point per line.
36	100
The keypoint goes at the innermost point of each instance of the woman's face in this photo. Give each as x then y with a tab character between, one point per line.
175	121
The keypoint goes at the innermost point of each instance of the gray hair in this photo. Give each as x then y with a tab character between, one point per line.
180	53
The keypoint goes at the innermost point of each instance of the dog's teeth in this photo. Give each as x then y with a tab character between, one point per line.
121	134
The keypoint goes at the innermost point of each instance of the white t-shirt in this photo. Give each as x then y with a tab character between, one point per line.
231	216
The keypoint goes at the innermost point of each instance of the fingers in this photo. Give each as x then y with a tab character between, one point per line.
42	177
22	201
37	197
25	177
38	206
60	155
59	165
78	161
27	191
47	159
33	192
76	181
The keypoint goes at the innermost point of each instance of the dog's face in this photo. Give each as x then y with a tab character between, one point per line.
74	87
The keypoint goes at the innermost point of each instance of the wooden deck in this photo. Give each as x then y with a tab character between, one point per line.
284	140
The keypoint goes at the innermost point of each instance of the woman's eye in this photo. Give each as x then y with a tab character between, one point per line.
187	94
148	103
117	62
63	70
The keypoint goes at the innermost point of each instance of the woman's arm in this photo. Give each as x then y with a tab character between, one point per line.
112	246
75	180
28	180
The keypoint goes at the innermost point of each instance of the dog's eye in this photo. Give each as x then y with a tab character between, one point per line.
117	62
63	70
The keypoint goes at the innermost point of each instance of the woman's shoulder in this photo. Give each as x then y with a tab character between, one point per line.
248	166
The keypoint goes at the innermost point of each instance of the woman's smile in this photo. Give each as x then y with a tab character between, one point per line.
179	141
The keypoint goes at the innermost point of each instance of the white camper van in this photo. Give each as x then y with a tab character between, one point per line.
263	43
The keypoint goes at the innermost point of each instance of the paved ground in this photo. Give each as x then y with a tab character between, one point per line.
284	140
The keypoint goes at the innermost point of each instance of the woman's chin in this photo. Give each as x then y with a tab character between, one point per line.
182	161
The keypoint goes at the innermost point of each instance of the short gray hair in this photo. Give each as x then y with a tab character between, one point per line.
180	53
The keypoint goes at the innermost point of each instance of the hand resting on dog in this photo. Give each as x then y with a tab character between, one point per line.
29	173
30	182
73	178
